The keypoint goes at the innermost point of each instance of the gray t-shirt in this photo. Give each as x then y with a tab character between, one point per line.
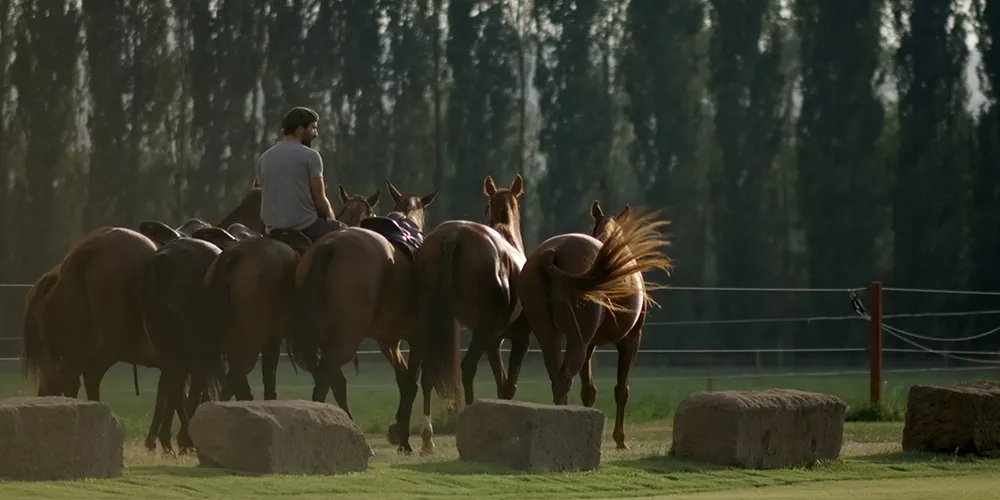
284	171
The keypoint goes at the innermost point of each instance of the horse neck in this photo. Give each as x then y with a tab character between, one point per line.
244	215
511	231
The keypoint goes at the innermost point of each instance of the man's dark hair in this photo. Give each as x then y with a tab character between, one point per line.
297	117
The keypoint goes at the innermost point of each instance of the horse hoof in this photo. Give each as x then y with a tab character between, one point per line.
622	446
393	435
405	450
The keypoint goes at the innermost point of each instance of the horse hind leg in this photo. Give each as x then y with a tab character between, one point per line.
239	367
269	368
628	348
159	408
519	334
92	378
176	405
578	329
470	363
588	389
399	432
331	368
496	364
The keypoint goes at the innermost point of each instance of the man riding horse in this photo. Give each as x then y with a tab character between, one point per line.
290	175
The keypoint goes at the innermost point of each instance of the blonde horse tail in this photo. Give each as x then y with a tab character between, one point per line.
635	249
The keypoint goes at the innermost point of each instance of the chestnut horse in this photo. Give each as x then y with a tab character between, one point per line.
356	284
90	319
250	292
590	291
172	295
469	273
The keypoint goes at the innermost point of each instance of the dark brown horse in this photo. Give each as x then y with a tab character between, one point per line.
172	295
250	291
356	284
590	291
90	318
34	357
469	273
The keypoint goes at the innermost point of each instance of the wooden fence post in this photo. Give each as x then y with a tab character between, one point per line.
875	342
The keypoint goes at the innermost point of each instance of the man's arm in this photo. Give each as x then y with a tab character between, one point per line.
256	175
318	187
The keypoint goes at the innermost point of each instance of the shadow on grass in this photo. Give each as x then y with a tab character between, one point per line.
663	464
461	468
925	459
652	465
189	471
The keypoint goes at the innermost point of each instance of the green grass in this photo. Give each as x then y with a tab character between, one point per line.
871	456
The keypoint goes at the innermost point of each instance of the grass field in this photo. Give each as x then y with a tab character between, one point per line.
872	465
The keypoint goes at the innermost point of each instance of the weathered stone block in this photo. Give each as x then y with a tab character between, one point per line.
529	436
58	438
759	429
278	437
959	418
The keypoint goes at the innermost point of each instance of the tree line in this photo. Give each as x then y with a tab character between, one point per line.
792	143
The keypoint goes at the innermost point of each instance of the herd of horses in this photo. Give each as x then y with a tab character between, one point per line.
202	302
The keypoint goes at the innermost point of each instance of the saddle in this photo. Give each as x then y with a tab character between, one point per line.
242	232
191	225
161	234
216	236
399	230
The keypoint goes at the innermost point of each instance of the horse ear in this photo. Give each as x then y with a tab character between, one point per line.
595	210
396	195
373	199
626	212
428	199
343	194
517	187
489	187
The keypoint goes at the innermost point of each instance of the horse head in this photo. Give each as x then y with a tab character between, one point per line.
607	225
356	207
411	206
503	212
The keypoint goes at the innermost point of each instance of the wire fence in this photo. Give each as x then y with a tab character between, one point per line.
928	357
